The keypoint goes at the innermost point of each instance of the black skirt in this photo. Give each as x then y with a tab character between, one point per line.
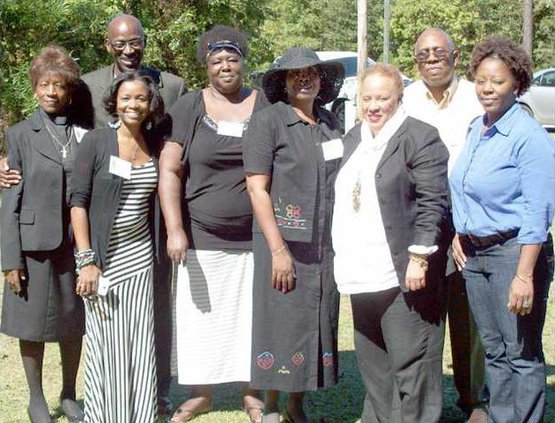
295	334
47	309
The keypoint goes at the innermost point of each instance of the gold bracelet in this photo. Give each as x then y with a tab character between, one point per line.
522	279
279	250
422	262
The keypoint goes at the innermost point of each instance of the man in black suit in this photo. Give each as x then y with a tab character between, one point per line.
125	41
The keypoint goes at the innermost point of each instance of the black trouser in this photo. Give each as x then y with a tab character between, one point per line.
163	323
399	346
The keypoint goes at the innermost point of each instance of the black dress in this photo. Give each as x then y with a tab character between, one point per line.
47	309
295	334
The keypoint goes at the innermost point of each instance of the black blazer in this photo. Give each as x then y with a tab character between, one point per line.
97	190
411	183
31	218
171	88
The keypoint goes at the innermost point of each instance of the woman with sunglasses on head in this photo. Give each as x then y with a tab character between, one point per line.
503	194
209	218
292	153
113	218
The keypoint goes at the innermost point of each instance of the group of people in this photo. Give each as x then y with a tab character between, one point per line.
439	201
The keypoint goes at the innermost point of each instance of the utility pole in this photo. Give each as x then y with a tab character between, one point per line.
362	42
386	26
527	26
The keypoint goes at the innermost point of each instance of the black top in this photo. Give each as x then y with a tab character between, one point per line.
217	211
99	191
280	144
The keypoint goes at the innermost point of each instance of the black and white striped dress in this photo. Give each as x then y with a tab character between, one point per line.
120	377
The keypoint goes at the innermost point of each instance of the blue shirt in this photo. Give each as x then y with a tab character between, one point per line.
504	179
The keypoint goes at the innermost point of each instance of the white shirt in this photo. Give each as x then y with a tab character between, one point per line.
452	119
363	260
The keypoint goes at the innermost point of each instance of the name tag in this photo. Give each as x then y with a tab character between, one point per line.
231	129
103	286
333	149
120	167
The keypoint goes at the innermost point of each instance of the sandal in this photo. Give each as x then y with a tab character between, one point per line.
183	414
254	413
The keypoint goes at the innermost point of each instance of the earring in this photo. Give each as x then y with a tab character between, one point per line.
115	124
148	125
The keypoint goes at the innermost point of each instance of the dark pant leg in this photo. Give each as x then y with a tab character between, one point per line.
515	367
163	325
466	348
399	344
413	329
368	310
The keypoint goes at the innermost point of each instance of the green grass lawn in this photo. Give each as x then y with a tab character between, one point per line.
341	404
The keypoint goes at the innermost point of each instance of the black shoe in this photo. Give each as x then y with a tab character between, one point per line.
48	420
72	410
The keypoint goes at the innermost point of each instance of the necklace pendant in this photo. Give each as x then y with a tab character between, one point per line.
64	152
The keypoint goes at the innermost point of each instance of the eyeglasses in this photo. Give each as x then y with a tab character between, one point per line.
439	53
135	44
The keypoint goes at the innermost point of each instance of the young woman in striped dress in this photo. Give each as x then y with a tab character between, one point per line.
115	179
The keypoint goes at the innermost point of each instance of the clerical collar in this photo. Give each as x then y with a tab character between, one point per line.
60	120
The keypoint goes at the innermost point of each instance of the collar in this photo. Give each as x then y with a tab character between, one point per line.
293	118
505	122
61	120
448	94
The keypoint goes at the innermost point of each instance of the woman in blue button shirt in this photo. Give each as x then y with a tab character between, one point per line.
503	194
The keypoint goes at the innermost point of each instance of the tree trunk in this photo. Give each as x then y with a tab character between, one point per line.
527	26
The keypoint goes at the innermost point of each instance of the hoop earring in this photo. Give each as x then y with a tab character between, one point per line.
115	124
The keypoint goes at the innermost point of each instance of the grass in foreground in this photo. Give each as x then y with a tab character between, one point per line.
341	404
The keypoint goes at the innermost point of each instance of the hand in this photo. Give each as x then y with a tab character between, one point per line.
283	271
415	277
177	246
458	253
87	281
14	278
521	294
8	177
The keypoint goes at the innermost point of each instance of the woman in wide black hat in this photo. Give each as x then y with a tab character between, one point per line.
291	155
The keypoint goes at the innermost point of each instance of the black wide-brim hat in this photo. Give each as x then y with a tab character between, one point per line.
331	75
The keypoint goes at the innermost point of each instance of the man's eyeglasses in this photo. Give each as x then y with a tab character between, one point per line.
135	44
439	53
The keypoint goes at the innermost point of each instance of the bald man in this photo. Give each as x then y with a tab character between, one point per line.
125	41
449	103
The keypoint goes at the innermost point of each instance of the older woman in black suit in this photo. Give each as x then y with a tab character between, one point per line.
391	196
37	247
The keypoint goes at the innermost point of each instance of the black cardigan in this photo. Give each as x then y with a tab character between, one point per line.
99	191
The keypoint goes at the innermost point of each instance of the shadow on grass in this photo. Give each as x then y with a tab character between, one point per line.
339	404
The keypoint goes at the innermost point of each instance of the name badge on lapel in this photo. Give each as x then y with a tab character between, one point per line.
333	149
231	129
103	286
120	167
